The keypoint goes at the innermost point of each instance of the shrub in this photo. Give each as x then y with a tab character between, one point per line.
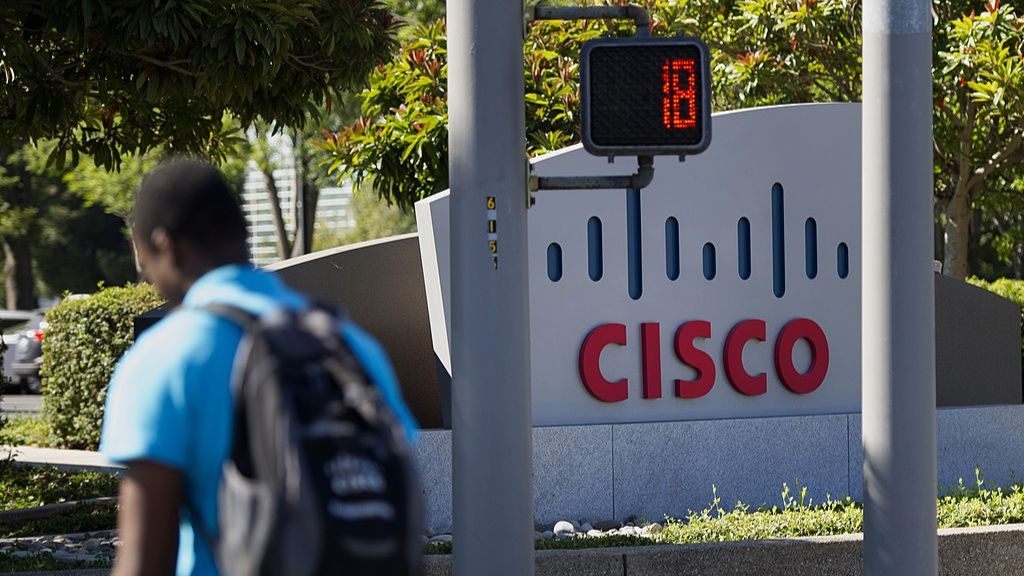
3	380
85	339
26	431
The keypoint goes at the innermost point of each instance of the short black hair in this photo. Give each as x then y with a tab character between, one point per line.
189	199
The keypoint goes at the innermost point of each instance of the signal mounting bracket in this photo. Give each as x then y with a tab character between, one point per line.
641	179
645	164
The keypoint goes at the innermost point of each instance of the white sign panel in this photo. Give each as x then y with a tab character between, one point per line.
730	287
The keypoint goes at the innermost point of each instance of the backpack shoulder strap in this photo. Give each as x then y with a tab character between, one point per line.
244	319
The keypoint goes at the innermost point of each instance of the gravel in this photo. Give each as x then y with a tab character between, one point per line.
85	547
102	546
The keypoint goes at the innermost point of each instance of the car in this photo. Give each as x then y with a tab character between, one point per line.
27	354
12	326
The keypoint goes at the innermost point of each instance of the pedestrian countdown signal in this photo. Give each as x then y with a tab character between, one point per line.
645	96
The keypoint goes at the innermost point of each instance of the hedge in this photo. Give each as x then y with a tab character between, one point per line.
3	380
83	342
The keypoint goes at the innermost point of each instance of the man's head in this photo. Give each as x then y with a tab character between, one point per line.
186	222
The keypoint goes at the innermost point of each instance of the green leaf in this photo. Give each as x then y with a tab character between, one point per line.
240	48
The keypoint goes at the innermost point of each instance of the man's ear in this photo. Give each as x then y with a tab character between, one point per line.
163	243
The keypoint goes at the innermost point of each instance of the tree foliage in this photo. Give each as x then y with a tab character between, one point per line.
122	76
401	141
979	119
764	52
30	188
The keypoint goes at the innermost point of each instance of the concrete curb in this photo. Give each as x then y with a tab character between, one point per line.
984	551
20	514
91	572
71	460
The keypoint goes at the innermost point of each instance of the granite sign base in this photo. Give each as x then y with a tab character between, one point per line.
650	471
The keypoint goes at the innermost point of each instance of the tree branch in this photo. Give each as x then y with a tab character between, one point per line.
943	159
952	117
966	148
46	65
173	66
997	161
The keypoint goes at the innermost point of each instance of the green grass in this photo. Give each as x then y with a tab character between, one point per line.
961	507
45	562
795	518
26	431
967	506
28	486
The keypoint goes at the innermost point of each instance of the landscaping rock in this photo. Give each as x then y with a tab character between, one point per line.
64	556
585	527
548	534
564	528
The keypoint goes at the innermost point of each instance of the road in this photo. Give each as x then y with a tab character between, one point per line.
21	403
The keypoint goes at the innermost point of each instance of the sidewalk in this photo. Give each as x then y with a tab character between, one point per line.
61	459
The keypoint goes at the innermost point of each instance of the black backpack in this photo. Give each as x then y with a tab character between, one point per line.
320	479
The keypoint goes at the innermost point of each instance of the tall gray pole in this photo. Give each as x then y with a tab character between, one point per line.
898	291
491	436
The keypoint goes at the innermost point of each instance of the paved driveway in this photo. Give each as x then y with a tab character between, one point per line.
21	403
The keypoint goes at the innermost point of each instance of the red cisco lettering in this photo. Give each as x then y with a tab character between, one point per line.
590	363
750	385
650	343
795	330
688	354
696	358
679	84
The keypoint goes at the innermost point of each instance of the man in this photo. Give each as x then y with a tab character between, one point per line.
169	406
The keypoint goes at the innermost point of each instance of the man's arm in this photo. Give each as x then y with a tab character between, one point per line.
147	523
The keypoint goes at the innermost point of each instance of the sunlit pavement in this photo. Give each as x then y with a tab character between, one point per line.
21	403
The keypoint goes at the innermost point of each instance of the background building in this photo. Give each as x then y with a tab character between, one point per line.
334	208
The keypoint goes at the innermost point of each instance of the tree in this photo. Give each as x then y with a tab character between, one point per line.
80	248
401	140
106	78
53	242
375	218
979	121
29	189
763	52
116	78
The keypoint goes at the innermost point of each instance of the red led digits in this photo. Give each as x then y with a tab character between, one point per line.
645	96
679	84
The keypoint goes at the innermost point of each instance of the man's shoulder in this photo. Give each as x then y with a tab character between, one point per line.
184	336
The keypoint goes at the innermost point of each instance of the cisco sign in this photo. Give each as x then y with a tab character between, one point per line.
729	288
703	363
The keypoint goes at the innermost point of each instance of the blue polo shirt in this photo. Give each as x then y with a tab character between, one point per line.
169	400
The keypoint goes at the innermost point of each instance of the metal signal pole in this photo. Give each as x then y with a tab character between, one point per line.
898	291
491	425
